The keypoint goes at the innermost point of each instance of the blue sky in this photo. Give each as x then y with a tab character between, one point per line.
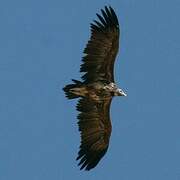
41	45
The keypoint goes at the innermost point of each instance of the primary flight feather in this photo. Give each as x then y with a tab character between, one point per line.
96	89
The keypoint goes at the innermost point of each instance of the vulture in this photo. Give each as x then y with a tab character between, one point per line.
96	89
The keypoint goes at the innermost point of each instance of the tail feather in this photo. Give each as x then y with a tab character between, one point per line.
68	89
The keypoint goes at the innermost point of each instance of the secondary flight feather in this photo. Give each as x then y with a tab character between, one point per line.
96	89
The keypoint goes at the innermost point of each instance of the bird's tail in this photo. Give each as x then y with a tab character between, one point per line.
69	89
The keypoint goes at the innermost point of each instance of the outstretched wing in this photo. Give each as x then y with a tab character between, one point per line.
95	127
101	50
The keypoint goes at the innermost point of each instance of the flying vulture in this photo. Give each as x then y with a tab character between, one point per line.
96	89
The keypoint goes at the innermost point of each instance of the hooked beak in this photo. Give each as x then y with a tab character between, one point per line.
121	92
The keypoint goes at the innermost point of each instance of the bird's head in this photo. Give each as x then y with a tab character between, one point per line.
112	87
119	92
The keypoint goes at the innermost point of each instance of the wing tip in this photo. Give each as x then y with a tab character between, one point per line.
89	160
107	19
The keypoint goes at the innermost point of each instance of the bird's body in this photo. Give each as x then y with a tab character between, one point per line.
96	89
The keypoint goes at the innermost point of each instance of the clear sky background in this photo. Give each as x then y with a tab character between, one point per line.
41	45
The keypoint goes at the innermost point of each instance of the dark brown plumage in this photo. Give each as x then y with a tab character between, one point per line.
102	48
97	89
95	127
